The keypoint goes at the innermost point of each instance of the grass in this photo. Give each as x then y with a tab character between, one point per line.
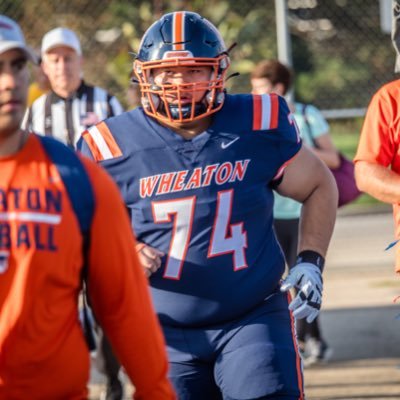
345	135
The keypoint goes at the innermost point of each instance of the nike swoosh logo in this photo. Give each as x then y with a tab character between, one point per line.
227	144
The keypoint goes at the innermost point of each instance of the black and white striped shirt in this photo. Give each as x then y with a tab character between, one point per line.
66	119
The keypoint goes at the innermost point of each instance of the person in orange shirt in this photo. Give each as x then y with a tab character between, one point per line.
377	160
43	353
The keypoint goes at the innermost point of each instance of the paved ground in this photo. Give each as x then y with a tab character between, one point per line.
372	379
358	317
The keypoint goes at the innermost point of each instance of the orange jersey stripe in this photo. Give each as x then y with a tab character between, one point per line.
265	111
109	139
282	168
256	112
97	156
178	34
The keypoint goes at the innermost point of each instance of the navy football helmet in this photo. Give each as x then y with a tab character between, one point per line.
175	40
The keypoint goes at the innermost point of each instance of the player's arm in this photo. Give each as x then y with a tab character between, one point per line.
149	257
309	181
119	293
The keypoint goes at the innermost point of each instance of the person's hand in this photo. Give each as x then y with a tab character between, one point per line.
149	257
307	279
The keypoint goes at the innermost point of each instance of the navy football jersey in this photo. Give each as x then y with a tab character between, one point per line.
205	202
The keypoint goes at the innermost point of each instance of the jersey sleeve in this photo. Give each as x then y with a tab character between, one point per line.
98	143
83	148
272	116
376	142
119	293
287	126
280	126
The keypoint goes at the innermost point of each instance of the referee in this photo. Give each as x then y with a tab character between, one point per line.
72	105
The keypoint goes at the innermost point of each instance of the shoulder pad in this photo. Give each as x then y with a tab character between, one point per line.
101	142
265	111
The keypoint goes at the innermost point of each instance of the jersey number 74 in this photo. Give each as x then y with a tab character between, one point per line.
225	238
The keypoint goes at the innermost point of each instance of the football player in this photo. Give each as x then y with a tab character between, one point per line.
197	169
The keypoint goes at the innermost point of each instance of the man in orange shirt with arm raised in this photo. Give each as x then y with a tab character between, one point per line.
43	354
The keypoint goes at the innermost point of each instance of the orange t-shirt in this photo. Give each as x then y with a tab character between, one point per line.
43	354
380	138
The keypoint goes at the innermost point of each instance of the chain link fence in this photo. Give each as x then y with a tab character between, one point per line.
340	53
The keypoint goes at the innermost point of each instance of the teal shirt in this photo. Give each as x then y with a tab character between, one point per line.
284	207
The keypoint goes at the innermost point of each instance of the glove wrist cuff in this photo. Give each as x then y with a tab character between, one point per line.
311	256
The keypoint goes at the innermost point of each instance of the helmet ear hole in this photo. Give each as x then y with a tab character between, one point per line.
224	64
138	71
208	98
137	68
218	99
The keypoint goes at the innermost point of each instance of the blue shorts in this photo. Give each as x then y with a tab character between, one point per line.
254	357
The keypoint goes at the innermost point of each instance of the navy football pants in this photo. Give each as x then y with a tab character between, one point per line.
254	357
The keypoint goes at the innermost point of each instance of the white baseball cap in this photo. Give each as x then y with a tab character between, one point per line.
11	37
61	37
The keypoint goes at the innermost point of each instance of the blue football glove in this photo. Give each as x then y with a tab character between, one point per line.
307	279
